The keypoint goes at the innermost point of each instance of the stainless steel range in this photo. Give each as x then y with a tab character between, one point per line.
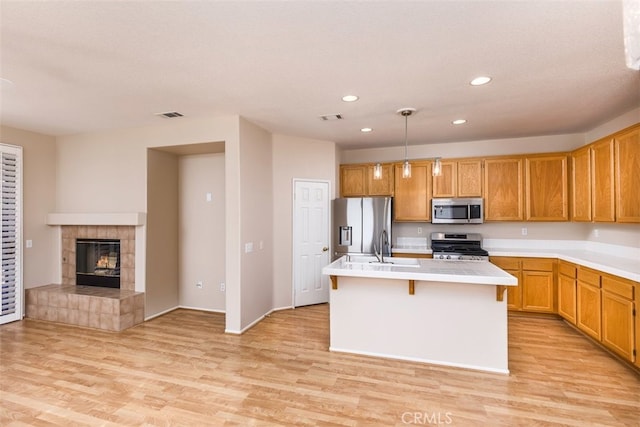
458	247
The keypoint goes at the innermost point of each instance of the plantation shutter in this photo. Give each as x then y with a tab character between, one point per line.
11	174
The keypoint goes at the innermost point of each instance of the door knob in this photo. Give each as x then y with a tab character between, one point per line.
325	249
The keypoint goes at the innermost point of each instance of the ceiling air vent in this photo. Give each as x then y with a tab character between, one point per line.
170	114
328	117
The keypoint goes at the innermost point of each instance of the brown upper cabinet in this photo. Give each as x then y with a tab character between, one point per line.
605	177
382	186
412	196
546	189
357	181
602	181
503	198
353	180
581	184
627	175
461	178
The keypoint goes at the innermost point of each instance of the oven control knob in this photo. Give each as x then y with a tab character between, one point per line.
448	256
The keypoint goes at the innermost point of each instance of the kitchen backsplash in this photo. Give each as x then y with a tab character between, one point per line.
614	234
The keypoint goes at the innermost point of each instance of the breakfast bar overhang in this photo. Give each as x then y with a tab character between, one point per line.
431	311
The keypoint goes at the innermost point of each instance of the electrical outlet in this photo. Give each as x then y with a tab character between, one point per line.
222	287
419	230
524	231
248	247
596	233
199	284
29	243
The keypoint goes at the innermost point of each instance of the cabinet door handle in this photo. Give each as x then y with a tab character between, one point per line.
325	249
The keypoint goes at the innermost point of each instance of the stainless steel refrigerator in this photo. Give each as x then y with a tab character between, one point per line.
361	225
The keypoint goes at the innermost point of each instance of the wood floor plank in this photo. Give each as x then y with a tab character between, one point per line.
181	369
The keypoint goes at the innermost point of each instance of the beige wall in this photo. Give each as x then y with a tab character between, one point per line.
82	156
256	215
623	121
202	231
494	147
294	158
161	286
41	262
87	179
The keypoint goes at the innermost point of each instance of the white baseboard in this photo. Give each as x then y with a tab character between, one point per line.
209	310
161	313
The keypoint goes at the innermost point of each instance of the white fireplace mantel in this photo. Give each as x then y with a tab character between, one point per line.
124	218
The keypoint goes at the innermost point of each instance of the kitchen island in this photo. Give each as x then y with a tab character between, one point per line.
440	312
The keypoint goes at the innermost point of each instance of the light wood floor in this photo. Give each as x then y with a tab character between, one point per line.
181	369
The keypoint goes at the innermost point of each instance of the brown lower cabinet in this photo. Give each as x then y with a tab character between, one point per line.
607	311
409	255
567	288
601	305
588	303
536	288
618	312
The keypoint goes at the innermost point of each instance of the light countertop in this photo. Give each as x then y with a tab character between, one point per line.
610	261
627	268
472	272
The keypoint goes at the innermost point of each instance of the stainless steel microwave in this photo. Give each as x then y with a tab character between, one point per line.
457	211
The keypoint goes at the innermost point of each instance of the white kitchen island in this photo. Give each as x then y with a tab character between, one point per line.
440	312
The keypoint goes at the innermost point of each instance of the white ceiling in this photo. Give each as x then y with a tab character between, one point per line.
557	66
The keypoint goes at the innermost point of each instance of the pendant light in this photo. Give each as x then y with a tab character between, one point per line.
437	167
406	166
377	171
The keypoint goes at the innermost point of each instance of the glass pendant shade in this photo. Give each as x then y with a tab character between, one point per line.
437	168
406	169
377	171
406	166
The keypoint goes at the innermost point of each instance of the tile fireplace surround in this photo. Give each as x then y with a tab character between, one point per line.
90	306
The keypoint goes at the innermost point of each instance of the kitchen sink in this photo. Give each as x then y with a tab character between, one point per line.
388	261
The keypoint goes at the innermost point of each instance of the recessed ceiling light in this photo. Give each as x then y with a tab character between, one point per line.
459	121
479	81
350	98
366	130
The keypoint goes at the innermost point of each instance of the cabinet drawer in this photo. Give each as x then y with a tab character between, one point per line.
618	286
409	255
588	276
537	264
506	263
567	269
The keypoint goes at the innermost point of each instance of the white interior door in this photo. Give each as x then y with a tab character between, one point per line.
11	214
310	242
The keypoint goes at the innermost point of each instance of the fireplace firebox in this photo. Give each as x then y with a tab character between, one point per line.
98	262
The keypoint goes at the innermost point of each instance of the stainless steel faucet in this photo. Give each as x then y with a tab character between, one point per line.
382	240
